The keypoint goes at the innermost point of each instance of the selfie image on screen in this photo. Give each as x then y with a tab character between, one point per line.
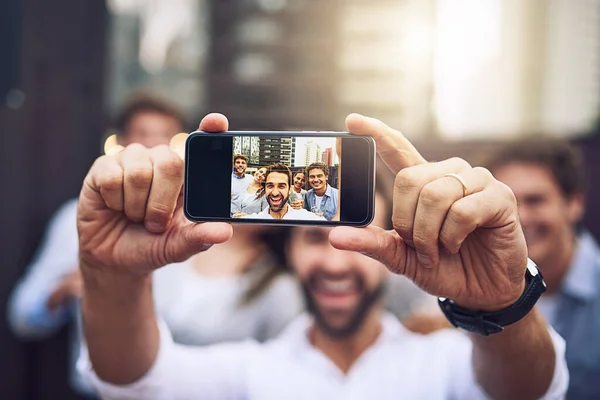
294	178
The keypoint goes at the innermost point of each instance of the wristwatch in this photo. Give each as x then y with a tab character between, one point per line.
487	323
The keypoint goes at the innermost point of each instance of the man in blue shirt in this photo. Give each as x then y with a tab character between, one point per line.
547	178
321	199
239	182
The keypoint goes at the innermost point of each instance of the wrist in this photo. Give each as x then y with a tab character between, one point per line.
107	279
511	299
478	320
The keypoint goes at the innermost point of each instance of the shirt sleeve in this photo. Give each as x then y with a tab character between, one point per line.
465	386
29	316
183	372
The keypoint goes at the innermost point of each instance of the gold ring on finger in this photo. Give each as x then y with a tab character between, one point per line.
462	182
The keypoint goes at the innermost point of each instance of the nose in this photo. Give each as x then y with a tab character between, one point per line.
338	261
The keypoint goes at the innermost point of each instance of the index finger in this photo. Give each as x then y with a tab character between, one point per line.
214	122
395	150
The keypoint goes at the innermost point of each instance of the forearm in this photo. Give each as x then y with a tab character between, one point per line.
119	324
517	363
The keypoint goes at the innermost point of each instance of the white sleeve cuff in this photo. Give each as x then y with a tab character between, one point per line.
560	379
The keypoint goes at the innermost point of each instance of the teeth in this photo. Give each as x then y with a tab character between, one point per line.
337	286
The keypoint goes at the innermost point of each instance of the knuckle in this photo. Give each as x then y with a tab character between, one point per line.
433	193
460	162
460	214
484	172
170	165
406	179
162	148
507	191
158	211
402	226
112	182
423	239
140	177
134	148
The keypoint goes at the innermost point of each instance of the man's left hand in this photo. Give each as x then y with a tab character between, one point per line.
468	247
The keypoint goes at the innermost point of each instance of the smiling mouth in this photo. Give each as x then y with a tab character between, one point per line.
336	287
533	235
276	201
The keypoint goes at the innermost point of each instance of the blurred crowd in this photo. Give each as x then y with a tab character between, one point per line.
245	288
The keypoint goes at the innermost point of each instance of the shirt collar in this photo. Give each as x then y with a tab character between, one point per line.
238	177
327	191
580	281
296	333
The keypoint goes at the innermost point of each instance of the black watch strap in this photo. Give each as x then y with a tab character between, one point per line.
487	323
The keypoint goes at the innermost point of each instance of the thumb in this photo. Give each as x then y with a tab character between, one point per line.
196	238
386	247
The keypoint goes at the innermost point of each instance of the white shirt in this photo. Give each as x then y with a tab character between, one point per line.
201	310
399	365
291	213
238	187
318	201
547	304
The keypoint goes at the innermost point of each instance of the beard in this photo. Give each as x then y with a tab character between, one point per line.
356	318
283	203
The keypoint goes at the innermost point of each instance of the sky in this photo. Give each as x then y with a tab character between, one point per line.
324	142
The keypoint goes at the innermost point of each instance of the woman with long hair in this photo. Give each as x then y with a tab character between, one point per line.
236	290
253	198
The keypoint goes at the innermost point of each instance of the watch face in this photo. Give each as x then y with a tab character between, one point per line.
534	271
532	268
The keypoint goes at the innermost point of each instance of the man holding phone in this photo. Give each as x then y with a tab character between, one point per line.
277	191
482	267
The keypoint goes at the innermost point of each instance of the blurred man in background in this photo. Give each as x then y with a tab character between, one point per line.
47	296
548	180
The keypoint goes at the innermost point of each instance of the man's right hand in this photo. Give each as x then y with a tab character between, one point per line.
130	216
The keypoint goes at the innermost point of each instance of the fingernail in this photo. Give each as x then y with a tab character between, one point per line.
424	260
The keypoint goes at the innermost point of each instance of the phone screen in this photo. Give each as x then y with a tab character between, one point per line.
293	178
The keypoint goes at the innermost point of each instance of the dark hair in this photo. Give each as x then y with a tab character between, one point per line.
275	239
317	165
563	159
143	102
261	191
282	169
242	156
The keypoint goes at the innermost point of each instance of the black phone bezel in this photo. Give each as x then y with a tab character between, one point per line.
361	170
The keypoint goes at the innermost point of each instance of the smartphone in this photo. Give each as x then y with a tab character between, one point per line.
283	177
